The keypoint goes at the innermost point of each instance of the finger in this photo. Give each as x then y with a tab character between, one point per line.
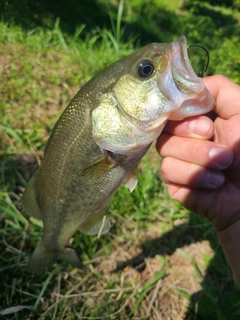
200	152
182	194
196	200
200	127
174	171
226	93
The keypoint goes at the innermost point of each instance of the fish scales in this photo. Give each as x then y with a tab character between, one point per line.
101	137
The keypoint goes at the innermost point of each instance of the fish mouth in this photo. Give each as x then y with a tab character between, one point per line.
188	92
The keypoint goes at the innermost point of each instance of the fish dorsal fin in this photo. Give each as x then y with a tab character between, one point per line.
100	225
29	200
132	179
97	168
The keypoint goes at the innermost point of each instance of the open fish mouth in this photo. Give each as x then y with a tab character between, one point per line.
187	90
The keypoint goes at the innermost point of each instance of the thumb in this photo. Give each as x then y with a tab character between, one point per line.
226	93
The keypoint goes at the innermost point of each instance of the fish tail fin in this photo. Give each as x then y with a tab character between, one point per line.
42	259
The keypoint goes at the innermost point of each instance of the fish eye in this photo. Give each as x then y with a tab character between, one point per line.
145	68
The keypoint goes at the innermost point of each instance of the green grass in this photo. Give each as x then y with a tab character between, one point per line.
158	261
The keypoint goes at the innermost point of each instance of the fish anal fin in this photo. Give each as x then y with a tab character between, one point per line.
70	256
29	200
98	226
132	179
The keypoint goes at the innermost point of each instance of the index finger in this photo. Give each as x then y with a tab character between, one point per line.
226	93
200	127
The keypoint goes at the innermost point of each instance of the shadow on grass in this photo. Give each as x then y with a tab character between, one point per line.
148	20
42	13
206	303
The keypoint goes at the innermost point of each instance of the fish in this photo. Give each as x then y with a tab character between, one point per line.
99	140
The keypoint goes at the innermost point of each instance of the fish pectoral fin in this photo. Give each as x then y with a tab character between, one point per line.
29	200
100	225
98	167
132	179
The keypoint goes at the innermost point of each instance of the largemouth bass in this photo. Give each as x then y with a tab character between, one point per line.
100	138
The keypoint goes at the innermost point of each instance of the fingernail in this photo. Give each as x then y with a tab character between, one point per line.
221	157
215	179
200	127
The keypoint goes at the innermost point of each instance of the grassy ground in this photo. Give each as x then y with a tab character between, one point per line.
158	261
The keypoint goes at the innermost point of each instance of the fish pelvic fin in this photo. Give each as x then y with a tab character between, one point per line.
70	256
29	200
42	259
132	179
98	226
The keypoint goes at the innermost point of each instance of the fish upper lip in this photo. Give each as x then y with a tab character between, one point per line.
179	52
180	45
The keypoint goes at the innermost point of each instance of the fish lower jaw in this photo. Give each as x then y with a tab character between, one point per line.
126	149
201	104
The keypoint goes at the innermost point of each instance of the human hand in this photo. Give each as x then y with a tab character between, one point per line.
201	158
201	165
